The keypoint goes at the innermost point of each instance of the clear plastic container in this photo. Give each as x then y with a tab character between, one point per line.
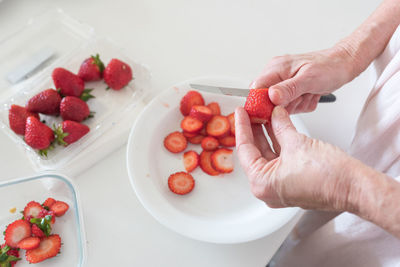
70	226
69	43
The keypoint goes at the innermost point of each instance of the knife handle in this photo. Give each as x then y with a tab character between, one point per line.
327	98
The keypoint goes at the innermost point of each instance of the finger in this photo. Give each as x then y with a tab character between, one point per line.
303	106
249	155
266	80
314	102
275	144
283	128
286	91
261	141
293	105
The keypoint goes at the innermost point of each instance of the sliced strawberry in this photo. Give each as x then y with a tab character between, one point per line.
227	141
205	163
48	202
59	208
191	125
48	248
218	126
259	106
36	231
214	106
45	212
29	243
16	231
203	131
196	140
210	143
189	135
181	183
222	160
201	113
190	99
231	118
190	160
33	209
175	142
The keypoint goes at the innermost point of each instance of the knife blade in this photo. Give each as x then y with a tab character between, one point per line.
244	92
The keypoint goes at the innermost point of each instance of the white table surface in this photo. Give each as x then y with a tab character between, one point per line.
180	40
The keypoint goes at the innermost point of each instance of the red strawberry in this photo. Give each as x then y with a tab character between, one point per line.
36	231
201	113
222	160
43	213
191	125
231	118
227	140
259	106
12	258
191	98
48	202
205	163
117	74
46	102
29	243
196	140
70	131
175	142
59	208
209	143
17	116
48	248
203	131
16	231
218	126
214	106
33	209
189	135
74	109
181	183
67	82
190	160
91	69
38	135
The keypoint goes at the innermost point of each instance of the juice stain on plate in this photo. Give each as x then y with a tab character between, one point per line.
13	210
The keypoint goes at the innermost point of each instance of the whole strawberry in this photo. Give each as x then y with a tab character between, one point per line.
70	131
74	109
117	74
91	69
259	106
46	102
38	135
68	83
17	116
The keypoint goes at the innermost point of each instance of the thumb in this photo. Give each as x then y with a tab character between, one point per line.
282	126
285	92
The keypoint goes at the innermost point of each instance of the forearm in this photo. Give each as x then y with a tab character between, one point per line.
370	38
375	197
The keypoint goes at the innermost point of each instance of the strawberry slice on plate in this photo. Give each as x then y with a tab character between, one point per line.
259	106
191	98
48	248
231	118
29	243
196	139
228	141
189	135
49	202
205	163
175	142
222	160
191	160
32	210
59	208
210	143
181	183
215	109
17	231
201	113
191	125
218	126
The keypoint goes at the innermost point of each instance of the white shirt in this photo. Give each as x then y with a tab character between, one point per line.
327	239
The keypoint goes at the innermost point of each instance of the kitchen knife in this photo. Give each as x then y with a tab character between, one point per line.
244	92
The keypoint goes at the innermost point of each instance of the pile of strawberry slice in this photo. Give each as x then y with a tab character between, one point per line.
205	126
33	233
68	101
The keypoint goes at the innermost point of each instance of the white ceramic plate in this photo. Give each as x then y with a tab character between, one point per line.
220	209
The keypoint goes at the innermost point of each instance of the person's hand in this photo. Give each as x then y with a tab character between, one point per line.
298	171
297	81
